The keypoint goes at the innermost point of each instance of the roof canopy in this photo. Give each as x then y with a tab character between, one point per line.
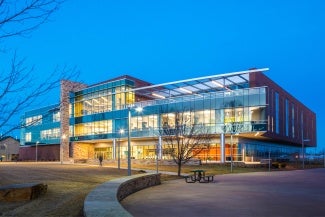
220	82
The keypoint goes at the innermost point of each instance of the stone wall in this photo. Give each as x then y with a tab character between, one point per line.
104	200
66	88
137	184
82	151
22	192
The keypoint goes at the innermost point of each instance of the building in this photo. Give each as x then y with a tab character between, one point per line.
249	116
9	149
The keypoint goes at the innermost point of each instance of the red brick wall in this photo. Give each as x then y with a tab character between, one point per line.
44	153
309	117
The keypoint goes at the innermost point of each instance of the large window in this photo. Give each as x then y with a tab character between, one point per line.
103	101
34	120
56	117
204	117
28	137
50	133
93	128
144	122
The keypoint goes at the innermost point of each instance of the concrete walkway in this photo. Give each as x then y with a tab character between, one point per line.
299	193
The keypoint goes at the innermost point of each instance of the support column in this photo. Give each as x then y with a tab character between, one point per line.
65	89
222	147
159	148
114	149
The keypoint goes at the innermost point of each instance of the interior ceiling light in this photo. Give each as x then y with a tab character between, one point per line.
88	103
217	83
159	96
185	90
105	99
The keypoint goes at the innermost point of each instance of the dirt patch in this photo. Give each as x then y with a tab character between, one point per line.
68	185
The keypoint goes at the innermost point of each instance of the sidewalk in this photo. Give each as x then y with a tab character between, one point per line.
283	193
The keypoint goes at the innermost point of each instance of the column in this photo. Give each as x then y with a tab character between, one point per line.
222	147
114	149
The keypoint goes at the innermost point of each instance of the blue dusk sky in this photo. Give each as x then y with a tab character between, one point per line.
168	40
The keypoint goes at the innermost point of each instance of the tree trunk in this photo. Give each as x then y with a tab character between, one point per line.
179	164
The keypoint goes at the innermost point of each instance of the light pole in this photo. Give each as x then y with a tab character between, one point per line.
231	167
36	150
119	150
158	153
61	147
129	141
303	151
138	109
6	146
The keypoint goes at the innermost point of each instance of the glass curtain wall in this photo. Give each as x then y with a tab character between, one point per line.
243	110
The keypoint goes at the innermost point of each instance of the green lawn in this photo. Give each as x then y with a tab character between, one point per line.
215	169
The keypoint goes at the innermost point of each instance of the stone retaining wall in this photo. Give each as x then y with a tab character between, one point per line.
22	192
105	200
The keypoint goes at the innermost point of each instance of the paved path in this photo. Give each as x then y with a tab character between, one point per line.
299	193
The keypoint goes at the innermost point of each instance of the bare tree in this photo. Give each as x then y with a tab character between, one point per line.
19	87
185	140
19	18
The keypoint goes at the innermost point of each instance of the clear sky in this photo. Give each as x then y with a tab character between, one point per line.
167	40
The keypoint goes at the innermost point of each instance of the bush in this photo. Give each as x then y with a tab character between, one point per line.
279	165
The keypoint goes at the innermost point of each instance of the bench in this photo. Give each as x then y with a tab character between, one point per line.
189	179
208	178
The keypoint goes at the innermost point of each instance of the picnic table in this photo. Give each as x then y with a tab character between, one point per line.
198	176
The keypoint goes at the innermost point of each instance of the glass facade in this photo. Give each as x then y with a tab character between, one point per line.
41	125
99	118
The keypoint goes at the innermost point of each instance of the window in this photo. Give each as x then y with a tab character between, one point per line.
35	120
92	128
277	124
28	137
50	133
56	117
287	116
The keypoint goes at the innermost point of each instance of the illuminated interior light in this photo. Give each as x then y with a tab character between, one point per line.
139	109
105	99
230	90
159	96
88	103
257	133
217	83
95	100
185	90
